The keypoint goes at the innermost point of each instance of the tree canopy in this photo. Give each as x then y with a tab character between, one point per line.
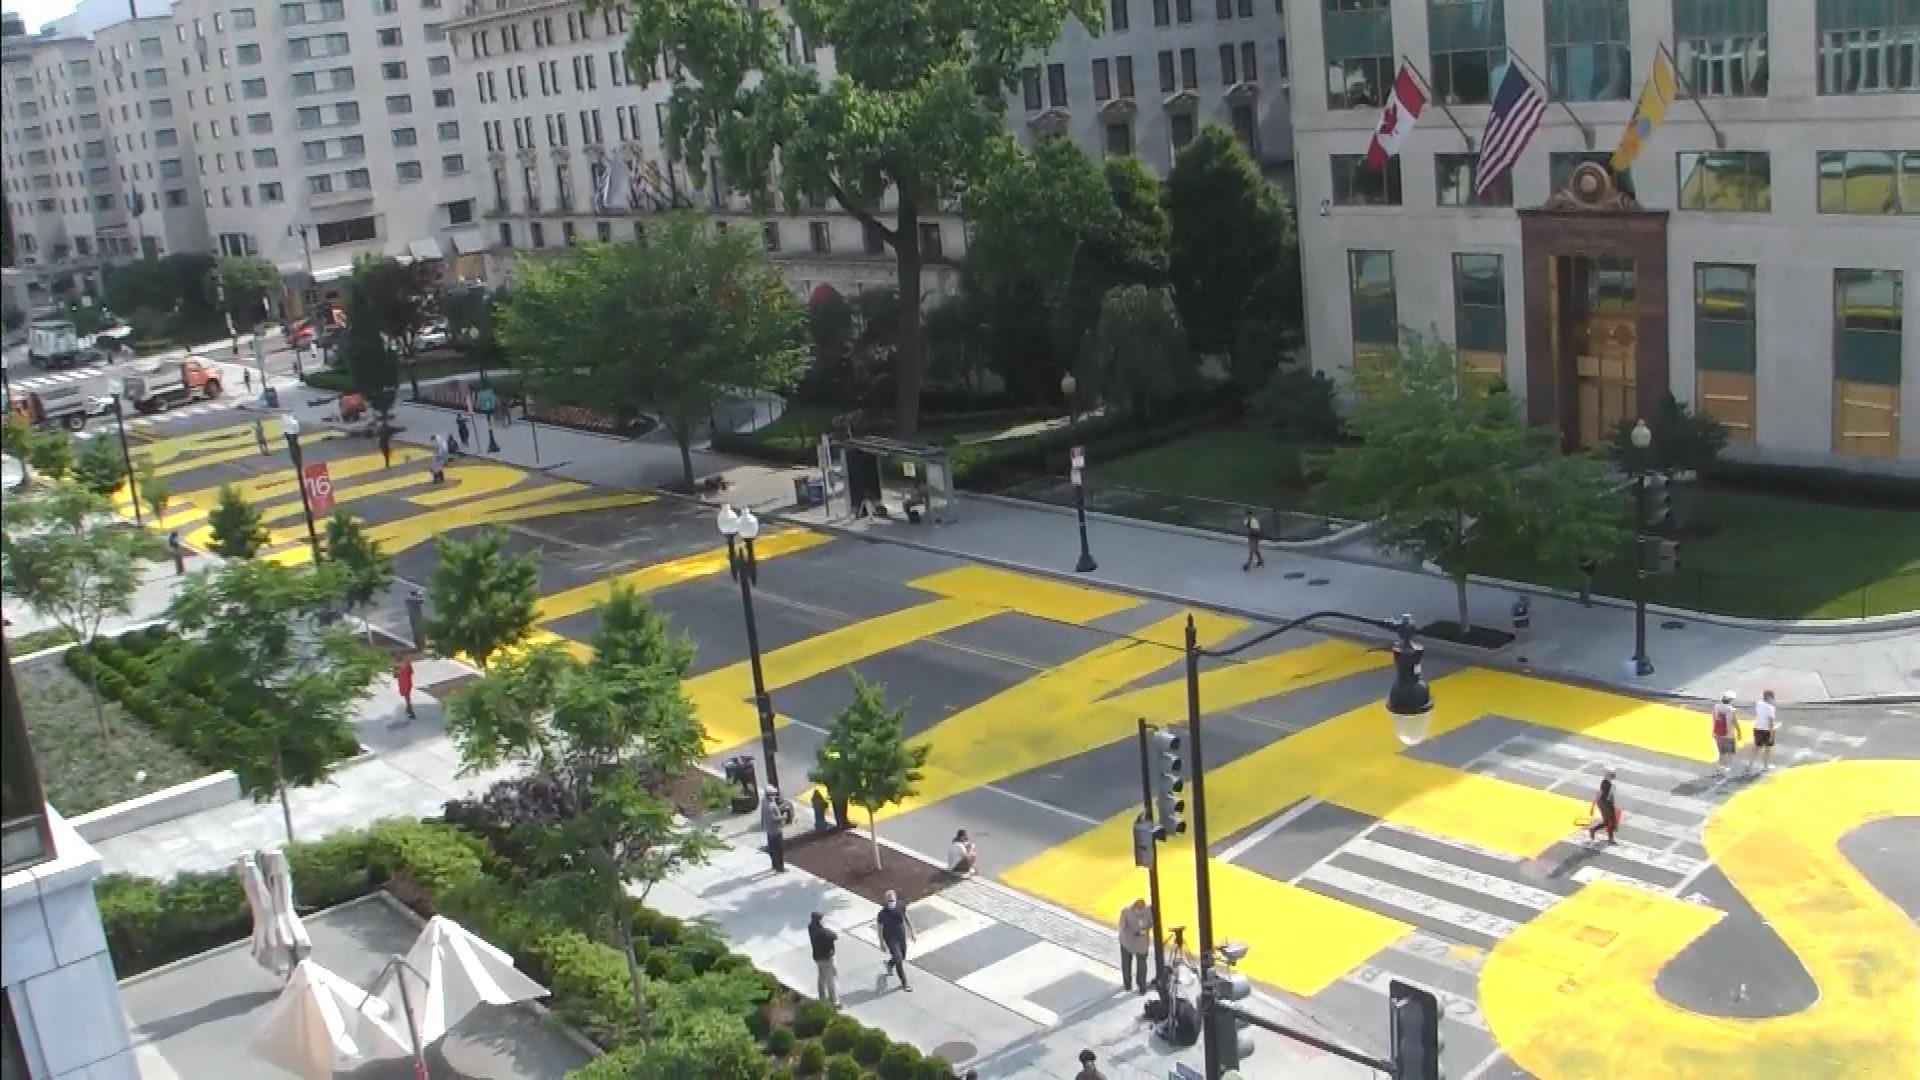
1452	474
865	758
362	570
1231	232
101	467
912	111
482	597
396	298
236	527
1139	355
367	349
671	327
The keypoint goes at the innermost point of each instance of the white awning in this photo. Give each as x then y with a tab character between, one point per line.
322	275
469	241
397	249
425	249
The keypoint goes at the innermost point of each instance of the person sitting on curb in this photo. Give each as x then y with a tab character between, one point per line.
962	856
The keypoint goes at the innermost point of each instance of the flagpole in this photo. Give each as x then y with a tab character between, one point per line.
1586	132
1719	138
1435	98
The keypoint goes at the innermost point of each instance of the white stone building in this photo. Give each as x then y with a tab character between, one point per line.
1766	274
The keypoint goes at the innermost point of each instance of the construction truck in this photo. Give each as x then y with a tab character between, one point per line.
179	382
66	405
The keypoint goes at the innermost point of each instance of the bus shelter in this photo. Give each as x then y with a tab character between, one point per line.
867	476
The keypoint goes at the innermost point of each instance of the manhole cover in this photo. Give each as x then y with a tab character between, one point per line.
1318	581
1294	575
1673	624
954	1053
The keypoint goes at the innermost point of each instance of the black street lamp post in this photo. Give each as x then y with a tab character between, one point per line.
290	427
126	453
1409	701
1086	565
1642	438
740	528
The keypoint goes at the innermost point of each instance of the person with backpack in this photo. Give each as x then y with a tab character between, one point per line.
1726	732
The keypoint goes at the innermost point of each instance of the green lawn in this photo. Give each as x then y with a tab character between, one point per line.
1235	465
80	770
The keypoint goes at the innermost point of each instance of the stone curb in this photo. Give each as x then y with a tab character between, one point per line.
1333	539
208	792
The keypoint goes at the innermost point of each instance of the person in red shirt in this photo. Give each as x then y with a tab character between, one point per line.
403	674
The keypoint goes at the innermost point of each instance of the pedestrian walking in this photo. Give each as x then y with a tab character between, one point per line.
260	437
247	375
1254	558
439	458
1606	812
1726	732
1089	1067
386	445
1766	722
827	988
465	432
896	929
1136	937
1589	566
403	676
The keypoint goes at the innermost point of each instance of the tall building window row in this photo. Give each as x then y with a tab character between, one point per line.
1359	49
1869	324
1721	46
1589	55
1869	181
1869	46
1726	346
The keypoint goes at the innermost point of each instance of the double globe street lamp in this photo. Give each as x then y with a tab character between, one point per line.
740	528
290	427
1642	438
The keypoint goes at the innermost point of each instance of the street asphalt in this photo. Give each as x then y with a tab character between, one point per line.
1343	858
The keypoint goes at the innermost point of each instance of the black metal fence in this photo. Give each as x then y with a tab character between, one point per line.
1169	508
1835	595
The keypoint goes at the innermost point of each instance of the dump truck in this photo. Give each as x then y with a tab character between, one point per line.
161	387
66	405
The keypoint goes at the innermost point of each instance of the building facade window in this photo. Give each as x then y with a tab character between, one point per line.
1469	40
1354	184
1589	56
1869	47
930	244
351	231
1868	325
1727	181
1721	46
1360	56
1869	181
1030	89
1480	318
1454	182
769	236
1057	85
820	237
1376	308
1725	346
1119	138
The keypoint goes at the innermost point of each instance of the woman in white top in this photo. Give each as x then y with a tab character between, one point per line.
961	855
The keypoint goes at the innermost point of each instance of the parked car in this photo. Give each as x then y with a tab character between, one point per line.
433	336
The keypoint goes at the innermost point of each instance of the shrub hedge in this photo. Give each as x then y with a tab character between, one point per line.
707	1013
183	710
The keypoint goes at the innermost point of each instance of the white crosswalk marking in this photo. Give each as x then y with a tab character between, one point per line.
1479	923
1471	880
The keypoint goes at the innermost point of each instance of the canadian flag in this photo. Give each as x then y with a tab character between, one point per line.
1402	112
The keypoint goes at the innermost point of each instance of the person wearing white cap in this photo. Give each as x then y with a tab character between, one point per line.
1726	731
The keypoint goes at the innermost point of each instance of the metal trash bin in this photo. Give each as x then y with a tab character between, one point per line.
270	396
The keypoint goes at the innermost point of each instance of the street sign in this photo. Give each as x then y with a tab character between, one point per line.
319	484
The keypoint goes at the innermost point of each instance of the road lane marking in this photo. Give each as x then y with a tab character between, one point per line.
662	575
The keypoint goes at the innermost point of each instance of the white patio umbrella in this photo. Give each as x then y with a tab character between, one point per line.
454	972
316	1022
266	943
292	932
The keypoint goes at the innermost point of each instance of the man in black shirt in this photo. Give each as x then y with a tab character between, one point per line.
895	928
823	944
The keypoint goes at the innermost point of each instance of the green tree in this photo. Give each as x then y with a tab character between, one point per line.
1030	213
396	298
473	323
1453	475
366	350
238	532
101	467
152	488
1139	355
1683	440
71	562
602	743
50	453
866	759
251	283
912	112
87	317
288	685
1231	230
482	596
674	326
1125	247
363	571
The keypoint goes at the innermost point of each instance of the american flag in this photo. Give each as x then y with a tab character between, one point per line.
1517	109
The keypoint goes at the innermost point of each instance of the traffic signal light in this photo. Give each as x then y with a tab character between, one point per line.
1659	502
1144	834
1667	556
1231	1034
1409	696
1169	783
1413	1032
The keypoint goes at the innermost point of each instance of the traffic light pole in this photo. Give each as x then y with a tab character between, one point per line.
1202	875
1160	981
1641	665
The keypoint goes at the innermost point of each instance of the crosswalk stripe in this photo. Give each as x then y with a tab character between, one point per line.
1411	906
1460	877
1689	809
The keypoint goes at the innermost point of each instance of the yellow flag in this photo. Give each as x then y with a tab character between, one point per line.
1654	99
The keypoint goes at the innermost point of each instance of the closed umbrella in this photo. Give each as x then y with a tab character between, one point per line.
265	943
292	932
315	1023
453	973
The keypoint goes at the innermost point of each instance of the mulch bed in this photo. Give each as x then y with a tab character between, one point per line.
1480	637
845	857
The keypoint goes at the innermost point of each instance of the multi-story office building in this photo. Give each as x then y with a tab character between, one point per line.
1158	71
1759	260
571	147
155	173
60	164
322	130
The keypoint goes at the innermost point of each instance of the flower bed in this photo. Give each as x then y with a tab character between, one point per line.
709	1012
186	710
